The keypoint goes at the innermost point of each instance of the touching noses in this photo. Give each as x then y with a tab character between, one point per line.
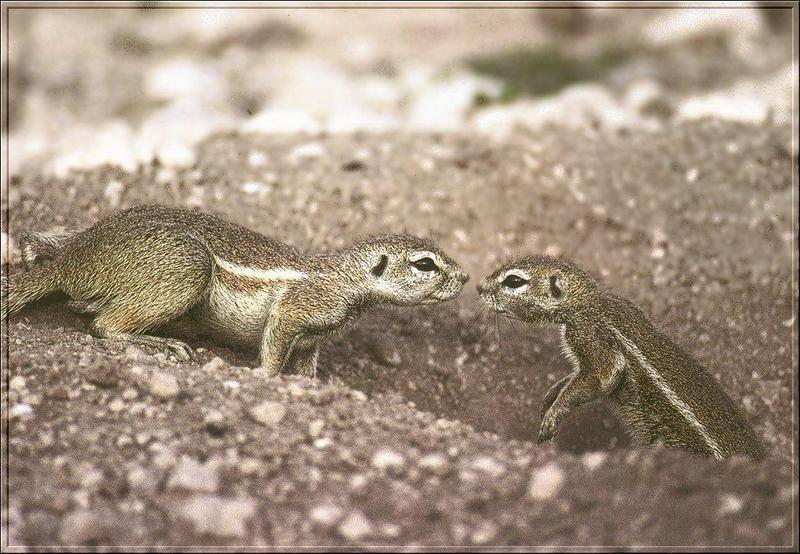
464	277
481	287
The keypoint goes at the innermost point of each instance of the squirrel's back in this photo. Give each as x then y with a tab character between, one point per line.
684	382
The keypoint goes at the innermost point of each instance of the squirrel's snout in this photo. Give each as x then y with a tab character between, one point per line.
481	287
464	277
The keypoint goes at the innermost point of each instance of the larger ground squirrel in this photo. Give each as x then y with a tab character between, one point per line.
153	267
662	392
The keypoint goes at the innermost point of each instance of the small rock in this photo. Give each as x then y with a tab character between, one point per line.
130	394
268	412
326	515
355	527
730	504
323	443
358	395
215	423
21	411
483	533
489	466
257	159
221	517
315	428
116	405
546	482
142	480
191	475
164	385
435	463
295	389
113	193
250	466
17	383
389	461
102	376
386	354
214	365
83	527
135	353
593	460
253	187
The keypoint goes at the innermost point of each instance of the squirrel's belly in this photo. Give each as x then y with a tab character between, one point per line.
237	315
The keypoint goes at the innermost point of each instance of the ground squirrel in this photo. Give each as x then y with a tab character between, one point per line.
152	267
661	391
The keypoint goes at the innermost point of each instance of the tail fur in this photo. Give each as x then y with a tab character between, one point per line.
23	288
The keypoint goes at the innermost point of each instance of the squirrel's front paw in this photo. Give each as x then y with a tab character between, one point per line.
549	426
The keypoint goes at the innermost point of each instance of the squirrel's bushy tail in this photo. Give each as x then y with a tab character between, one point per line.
21	289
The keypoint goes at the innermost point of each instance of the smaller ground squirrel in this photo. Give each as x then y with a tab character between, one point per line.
661	391
155	268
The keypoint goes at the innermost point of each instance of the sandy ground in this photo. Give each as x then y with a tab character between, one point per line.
420	427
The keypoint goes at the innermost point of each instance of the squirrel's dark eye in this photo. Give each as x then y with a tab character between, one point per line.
554	288
424	264
513	281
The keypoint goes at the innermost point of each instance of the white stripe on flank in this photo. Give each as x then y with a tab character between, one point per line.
681	406
278	274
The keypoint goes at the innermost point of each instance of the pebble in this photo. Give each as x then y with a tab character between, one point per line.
435	463
113	193
135	353
388	460
488	466
102	376
483	533
250	466
315	428
214	365
546	482
215	422
268	412
116	405
730	504
358	395
193	476
21	411
17	382
326	515
130	394
322	443
82	527
164	385
355	527
221	517
593	460
142	480
386	354
295	389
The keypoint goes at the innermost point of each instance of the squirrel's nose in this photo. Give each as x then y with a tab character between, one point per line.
464	277
481	287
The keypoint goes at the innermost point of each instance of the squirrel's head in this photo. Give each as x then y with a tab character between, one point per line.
538	289
406	271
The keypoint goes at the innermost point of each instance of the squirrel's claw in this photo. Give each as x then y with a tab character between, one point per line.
549	427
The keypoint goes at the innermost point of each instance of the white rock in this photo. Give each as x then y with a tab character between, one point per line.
268	412
309	150
386	459
315	428
326	515
116	405
277	120
489	466
443	105
730	504
17	383
724	105
113	192
184	78
253	187
323	443
221	517
143	481
214	365
21	411
435	463
485	532
355	527
193	476
176	155
593	460
164	385
546	482
257	158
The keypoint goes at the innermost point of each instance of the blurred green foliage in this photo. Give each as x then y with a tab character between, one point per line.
543	71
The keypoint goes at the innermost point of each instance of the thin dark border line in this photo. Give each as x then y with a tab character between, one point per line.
8	6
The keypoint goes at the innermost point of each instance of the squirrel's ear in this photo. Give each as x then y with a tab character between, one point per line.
380	265
557	285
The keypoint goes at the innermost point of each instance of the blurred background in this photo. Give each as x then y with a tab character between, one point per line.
126	86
